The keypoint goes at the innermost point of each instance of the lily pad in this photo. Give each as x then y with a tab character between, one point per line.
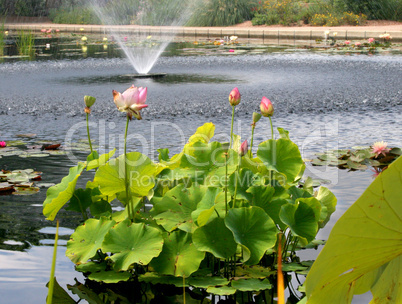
251	284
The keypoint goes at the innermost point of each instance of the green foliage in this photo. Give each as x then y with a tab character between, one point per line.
222	12
26	43
364	250
212	210
374	9
74	15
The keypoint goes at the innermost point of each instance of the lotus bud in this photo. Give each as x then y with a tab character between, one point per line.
243	148
256	117
266	107
234	97
3	144
89	101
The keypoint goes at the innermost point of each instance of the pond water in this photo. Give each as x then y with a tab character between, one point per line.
326	101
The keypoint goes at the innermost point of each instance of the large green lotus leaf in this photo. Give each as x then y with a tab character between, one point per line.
87	239
155	278
244	180
256	271
366	237
212	196
222	290
100	160
175	208
207	281
302	218
328	205
179	256
203	134
60	194
140	170
261	196
80	200
110	276
216	238
281	155
251	284
132	243
253	229
203	163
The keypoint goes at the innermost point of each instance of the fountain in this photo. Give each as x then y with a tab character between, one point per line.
136	41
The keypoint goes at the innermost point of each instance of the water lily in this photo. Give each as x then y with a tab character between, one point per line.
243	148
357	44
335	34
234	97
105	39
132	101
231	51
371	40
380	147
266	107
3	144
347	42
84	38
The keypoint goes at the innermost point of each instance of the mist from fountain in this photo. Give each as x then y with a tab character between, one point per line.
141	49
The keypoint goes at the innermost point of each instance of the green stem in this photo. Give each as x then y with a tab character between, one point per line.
231	128
251	142
128	205
236	178
52	271
89	137
226	182
272	128
84	214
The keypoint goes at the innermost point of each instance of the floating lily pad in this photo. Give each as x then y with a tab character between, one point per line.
25	190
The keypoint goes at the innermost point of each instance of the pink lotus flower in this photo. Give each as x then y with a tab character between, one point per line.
347	42
132	101
234	97
3	144
371	40
243	148
266	107
380	147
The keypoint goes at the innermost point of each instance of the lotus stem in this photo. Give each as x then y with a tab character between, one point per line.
236	178
231	128
83	212
52	271
226	182
128	205
272	129
89	137
252	139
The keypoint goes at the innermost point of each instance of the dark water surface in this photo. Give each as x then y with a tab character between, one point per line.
325	101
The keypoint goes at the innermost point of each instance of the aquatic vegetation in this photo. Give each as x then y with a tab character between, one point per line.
217	212
26	43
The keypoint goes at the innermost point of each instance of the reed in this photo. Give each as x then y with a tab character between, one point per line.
25	43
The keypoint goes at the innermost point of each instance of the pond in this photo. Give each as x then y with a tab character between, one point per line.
326	101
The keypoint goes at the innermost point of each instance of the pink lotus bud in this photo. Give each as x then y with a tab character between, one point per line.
132	101
266	107
243	148
371	40
234	97
3	144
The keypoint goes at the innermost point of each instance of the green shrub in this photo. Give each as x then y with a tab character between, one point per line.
353	19
222	12
77	15
374	9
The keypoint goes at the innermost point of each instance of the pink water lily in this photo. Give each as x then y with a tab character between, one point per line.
371	40
380	147
132	101
266	107
3	144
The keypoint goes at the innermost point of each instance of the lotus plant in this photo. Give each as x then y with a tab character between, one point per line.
256	118
267	110
234	100
132	101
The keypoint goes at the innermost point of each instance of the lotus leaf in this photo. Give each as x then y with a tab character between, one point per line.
60	194
99	160
154	278
179	256
207	281
109	276
366	238
281	155
302	218
244	180
328	205
140	170
254	230
175	208
216	238
132	243
87	239
256	271
252	284
222	291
